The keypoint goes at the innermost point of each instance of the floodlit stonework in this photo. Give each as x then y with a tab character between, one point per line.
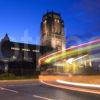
52	31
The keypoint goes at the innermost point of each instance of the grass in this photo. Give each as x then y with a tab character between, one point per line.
10	76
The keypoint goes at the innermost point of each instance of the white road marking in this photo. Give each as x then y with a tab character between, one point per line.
8	90
44	98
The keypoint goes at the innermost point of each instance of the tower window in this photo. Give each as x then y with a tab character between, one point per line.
45	21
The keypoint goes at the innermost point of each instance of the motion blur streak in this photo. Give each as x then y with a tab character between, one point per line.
78	84
70	51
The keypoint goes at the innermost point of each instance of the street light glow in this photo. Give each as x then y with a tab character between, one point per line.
70	60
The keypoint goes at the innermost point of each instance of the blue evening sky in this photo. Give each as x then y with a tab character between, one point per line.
21	19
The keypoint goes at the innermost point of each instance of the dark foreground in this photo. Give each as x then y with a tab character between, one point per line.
38	91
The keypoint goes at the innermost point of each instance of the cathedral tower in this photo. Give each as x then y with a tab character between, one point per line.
52	31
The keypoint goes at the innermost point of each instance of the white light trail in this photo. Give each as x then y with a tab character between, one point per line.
71	60
79	84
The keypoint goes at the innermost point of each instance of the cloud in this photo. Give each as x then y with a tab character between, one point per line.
77	39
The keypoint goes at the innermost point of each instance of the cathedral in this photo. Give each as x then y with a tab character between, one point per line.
22	58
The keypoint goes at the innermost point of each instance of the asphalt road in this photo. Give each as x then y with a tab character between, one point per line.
38	91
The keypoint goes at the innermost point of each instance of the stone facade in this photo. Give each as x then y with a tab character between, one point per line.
52	31
20	58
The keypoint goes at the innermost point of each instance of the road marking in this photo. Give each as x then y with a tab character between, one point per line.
8	90
44	98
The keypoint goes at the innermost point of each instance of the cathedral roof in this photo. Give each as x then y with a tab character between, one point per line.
52	14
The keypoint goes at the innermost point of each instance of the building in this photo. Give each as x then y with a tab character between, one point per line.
52	31
20	58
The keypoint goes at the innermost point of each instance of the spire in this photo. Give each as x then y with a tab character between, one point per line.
6	38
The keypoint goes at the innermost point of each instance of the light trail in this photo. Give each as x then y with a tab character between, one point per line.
85	44
79	84
71	88
72	59
70	52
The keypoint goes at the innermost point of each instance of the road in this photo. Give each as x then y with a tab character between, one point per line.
38	91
